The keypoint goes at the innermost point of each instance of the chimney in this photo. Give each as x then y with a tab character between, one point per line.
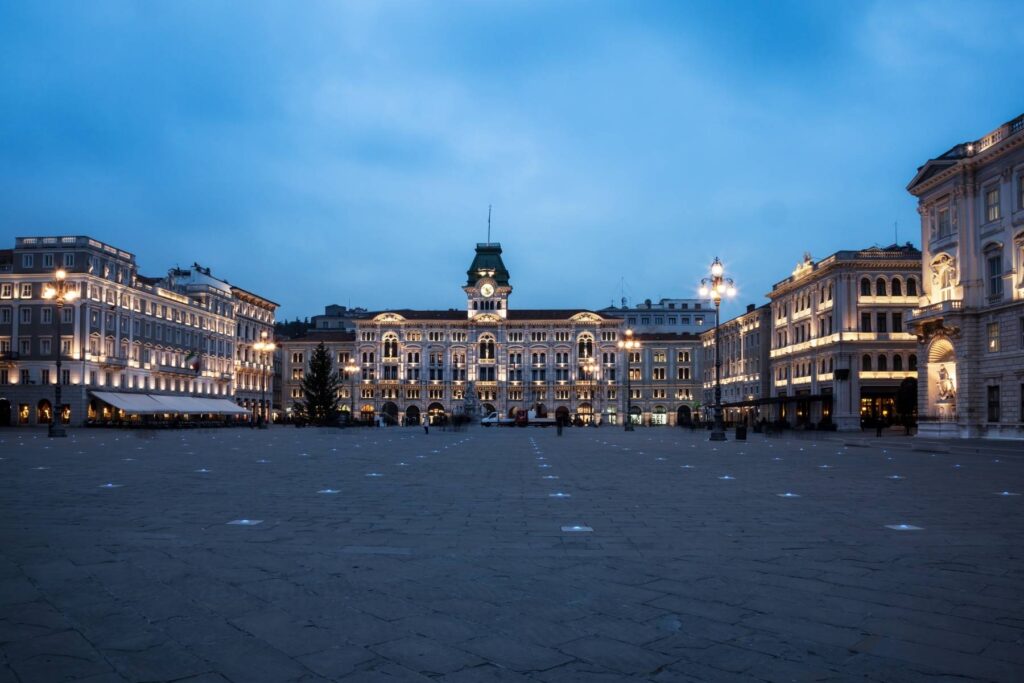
750	308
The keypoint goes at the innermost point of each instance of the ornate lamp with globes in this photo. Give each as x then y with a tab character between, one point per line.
716	287
60	291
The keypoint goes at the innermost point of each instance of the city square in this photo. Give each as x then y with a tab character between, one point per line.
507	554
519	340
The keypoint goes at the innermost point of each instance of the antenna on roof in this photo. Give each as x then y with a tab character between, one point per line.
488	224
896	232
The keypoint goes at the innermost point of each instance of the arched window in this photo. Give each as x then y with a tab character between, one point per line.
865	362
880	287
911	287
487	349
865	287
912	362
883	363
390	347
586	347
897	287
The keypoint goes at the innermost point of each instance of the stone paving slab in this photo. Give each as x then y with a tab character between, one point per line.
455	567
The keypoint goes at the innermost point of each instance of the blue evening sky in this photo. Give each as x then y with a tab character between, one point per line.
330	152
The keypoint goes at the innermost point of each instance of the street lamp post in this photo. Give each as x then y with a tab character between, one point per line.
264	345
717	286
351	369
628	345
60	291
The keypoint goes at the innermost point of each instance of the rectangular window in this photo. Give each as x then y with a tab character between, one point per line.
47	260
944	224
26	290
5	315
992	204
993	404
882	327
897	321
27	261
69	260
865	322
994	265
1020	195
993	337
45	346
25	315
46	316
6	290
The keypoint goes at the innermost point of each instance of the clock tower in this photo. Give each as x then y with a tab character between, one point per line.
487	287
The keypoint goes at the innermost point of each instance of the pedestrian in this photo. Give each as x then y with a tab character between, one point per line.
878	427
426	426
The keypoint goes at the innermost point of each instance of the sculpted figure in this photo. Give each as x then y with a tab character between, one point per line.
947	391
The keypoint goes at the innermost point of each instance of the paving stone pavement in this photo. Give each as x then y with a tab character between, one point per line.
452	565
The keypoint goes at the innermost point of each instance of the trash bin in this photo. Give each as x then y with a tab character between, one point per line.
741	433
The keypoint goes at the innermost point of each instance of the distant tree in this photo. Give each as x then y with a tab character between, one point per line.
320	387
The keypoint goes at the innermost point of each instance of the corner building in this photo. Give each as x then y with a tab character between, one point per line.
416	365
970	318
130	345
839	349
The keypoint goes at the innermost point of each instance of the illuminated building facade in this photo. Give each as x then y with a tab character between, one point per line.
970	318
488	357
172	339
746	372
839	349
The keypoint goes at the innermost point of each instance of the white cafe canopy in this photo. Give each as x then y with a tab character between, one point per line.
151	404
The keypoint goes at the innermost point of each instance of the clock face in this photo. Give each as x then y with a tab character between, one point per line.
487	289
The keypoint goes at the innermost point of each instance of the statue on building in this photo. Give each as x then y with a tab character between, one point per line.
947	390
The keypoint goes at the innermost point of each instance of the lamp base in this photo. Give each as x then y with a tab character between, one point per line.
56	431
717	436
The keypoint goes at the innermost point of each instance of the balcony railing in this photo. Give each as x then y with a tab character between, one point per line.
175	370
936	309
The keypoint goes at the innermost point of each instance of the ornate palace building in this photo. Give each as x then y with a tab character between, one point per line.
746	370
490	357
129	345
970	319
839	349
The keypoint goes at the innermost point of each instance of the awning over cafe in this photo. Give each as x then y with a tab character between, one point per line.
155	404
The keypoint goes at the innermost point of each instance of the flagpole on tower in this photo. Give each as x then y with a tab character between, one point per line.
488	224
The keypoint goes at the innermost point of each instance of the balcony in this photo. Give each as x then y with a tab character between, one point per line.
935	311
8	356
174	370
113	362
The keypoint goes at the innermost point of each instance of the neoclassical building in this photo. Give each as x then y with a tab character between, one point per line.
491	357
839	348
746	370
970	317
129	344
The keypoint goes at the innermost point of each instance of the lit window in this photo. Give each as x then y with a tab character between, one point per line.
992	204
993	336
